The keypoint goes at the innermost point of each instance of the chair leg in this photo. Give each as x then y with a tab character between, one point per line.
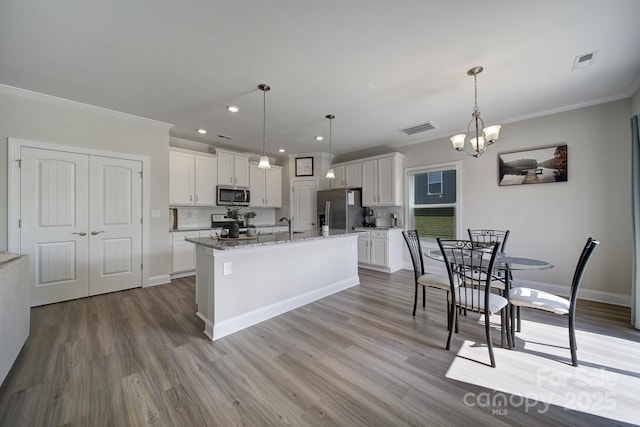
503	330
448	311
424	296
415	300
487	327
452	318
519	319
572	340
512	331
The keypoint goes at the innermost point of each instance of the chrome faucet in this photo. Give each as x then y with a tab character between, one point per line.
290	223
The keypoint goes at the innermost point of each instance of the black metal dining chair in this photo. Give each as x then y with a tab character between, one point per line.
423	279
460	257
540	300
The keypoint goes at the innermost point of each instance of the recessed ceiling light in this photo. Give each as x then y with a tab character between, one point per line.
281	150
319	138
202	131
233	108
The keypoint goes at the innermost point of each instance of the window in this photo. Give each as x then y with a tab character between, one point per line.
432	207
434	182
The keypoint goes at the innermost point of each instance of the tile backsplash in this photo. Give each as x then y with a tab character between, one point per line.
200	216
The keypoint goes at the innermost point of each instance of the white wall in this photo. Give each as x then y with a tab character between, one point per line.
552	221
34	117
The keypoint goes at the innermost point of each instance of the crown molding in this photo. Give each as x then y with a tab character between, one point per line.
10	90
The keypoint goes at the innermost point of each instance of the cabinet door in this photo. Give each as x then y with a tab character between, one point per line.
205	181
363	249
369	183
184	253
353	175
241	171
378	252
273	187
180	178
225	168
339	180
256	185
386	182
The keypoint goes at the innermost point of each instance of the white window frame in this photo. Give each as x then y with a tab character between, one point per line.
409	195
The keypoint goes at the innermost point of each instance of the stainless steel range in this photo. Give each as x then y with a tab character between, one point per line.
222	221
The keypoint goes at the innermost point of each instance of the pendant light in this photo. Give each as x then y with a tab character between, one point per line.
264	160
330	173
480	137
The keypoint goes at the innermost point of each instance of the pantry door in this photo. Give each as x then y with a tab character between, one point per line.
115	224
54	189
81	223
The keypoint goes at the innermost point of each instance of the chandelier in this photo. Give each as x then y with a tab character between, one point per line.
330	173
480	137
264	160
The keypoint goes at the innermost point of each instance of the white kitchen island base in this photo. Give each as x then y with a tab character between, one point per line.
239	286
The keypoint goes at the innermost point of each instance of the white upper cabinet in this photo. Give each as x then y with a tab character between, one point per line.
347	175
192	179
382	181
233	169
265	186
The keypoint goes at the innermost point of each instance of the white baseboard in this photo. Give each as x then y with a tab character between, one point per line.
586	294
157	280
183	274
237	323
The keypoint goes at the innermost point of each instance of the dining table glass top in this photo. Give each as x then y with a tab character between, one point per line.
503	261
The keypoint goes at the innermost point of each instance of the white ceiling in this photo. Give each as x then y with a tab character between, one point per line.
378	65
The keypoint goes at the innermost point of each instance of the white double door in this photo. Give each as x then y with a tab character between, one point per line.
80	223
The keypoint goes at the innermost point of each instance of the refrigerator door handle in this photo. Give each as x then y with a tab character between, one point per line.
327	212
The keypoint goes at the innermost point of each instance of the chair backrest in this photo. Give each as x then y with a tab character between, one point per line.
413	243
585	256
490	236
469	263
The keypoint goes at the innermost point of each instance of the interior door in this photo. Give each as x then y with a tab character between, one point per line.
55	223
115	232
303	205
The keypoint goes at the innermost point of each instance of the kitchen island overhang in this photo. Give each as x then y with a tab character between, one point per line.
242	283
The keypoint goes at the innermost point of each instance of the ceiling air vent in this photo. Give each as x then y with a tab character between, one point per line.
418	128
584	61
224	136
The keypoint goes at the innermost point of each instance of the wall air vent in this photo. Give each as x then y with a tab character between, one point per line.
584	60
418	128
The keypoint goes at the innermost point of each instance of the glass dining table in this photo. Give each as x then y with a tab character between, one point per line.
506	264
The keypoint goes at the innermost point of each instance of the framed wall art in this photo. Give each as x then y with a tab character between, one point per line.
304	166
535	166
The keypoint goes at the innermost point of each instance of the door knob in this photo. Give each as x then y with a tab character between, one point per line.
82	233
93	233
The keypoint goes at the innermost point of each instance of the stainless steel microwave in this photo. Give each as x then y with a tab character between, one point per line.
237	195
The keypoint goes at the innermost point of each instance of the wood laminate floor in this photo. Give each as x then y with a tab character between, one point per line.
357	358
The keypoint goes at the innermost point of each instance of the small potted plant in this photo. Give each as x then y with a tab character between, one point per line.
233	213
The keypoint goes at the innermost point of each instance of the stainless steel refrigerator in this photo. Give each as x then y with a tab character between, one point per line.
341	208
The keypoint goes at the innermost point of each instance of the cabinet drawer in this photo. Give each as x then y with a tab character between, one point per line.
379	234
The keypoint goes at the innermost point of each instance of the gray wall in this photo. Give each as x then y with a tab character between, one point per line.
37	119
635	103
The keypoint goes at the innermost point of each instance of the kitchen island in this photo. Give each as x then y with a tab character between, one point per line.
243	282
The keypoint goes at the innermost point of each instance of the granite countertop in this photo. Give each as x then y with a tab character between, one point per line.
267	239
378	228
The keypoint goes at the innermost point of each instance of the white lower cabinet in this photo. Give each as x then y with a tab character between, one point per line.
380	249
184	253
